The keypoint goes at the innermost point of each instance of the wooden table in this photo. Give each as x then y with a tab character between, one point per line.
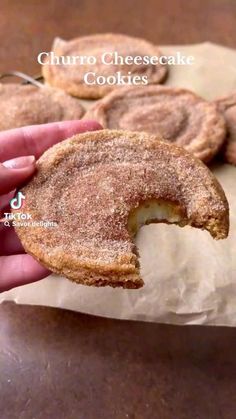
63	365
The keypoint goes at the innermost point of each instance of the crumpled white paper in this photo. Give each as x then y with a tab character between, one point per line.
189	277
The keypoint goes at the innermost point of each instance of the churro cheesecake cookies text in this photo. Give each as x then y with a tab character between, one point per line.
101	63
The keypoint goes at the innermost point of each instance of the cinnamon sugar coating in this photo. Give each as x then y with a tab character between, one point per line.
95	186
227	105
71	77
22	105
178	115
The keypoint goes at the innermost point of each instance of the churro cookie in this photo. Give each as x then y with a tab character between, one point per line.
22	105
178	115
115	59
99	188
227	105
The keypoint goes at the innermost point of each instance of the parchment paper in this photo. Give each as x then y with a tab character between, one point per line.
189	277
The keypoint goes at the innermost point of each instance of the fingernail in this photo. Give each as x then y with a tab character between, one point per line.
19	162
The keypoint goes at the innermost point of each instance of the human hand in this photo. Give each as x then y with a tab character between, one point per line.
19	150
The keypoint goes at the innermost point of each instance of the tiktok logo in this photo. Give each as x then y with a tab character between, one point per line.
17	202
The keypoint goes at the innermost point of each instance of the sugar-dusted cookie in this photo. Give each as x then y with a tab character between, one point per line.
178	115
227	105
99	188
22	105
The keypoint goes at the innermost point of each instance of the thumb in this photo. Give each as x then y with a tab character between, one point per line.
14	172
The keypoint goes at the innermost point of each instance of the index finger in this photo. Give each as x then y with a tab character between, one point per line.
35	139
